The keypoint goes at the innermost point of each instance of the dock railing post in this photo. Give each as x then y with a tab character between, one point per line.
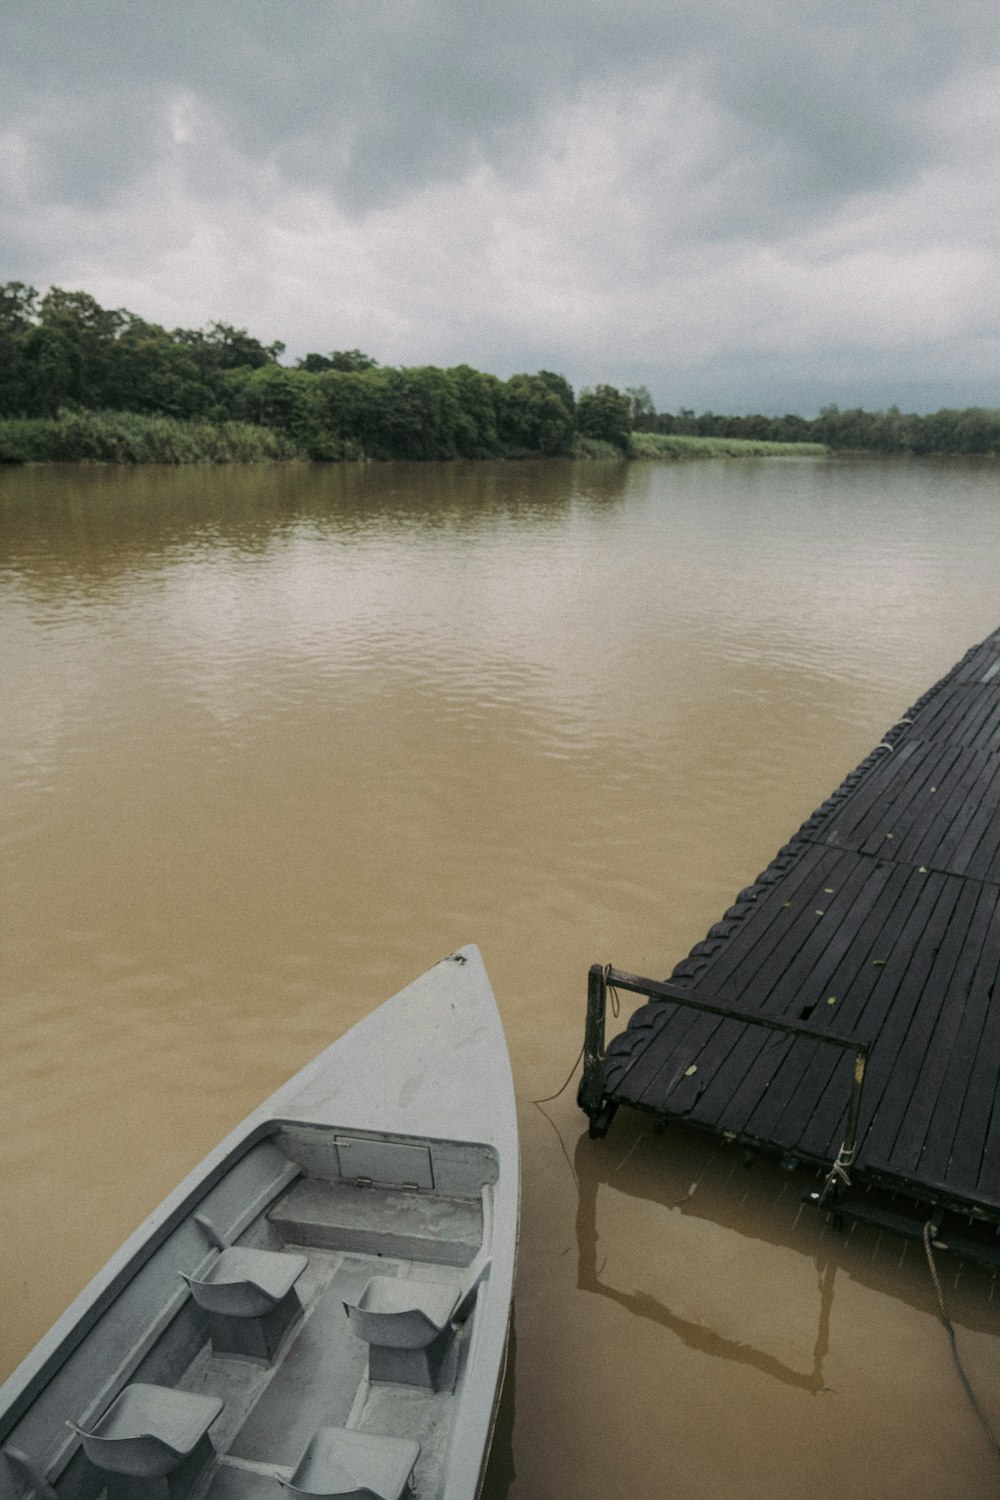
590	1095
839	1176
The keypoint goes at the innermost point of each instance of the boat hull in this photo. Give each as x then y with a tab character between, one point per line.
394	1153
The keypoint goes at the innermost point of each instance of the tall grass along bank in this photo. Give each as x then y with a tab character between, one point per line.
677	445
124	437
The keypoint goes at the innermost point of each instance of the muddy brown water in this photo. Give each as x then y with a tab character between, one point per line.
274	740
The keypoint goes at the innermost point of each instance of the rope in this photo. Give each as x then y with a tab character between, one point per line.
615	1008
549	1097
838	1172
616	1003
949	1329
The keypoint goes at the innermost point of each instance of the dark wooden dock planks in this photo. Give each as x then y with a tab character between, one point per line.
879	920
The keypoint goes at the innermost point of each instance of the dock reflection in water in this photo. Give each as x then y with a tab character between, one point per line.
736	1296
734	1291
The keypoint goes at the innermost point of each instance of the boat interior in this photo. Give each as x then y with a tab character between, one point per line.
300	1325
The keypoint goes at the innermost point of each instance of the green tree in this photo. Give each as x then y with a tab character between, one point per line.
18	316
479	397
532	418
223	347
642	411
151	372
559	386
350	361
605	414
18	307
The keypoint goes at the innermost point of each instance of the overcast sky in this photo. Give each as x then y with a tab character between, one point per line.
742	206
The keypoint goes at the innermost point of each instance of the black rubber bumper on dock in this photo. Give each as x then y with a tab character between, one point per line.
880	921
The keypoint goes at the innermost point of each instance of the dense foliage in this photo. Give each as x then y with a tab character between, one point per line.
65	361
63	353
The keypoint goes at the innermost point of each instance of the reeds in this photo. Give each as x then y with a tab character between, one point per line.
122	437
677	445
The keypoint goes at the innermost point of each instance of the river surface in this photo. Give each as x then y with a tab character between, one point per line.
274	740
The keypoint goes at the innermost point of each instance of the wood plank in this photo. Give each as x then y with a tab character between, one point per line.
928	991
851	982
947	819
827	1112
906	1018
679	1036
715	1046
867	998
942	1064
838	824
774	918
901	817
945	797
797	990
962	857
971	1043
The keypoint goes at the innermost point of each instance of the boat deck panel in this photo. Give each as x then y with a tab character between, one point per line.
879	921
232	1483
381	1221
315	1384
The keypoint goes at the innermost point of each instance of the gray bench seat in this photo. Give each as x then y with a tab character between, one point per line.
149	1433
250	1299
341	1464
406	1325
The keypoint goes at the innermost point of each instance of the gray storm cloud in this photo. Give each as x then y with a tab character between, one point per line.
537	180
371	100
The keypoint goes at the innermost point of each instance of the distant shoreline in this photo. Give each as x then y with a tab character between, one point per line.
84	383
130	438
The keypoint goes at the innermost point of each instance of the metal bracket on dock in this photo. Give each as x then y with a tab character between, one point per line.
839	1176
591	1096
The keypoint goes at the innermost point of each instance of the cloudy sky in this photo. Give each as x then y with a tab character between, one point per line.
743	206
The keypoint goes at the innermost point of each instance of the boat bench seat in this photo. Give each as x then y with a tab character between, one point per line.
407	1326
250	1298
342	1464
152	1441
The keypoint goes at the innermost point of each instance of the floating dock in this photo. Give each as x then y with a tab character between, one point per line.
842	1012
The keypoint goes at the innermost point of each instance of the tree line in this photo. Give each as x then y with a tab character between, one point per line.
973	429
62	352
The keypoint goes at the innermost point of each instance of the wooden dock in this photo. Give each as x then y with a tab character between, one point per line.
875	929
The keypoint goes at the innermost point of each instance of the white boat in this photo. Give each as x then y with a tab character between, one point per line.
322	1306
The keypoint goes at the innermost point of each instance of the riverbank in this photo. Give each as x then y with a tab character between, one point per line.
678	445
132	438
